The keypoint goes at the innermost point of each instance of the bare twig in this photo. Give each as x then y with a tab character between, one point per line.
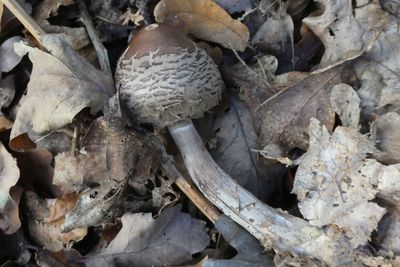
98	46
29	23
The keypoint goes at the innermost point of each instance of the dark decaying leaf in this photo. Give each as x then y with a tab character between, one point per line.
62	84
286	115
64	258
170	239
236	141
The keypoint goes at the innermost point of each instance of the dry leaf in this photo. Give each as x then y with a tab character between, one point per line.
286	115
387	136
77	37
346	104
235	6
48	233
9	217
61	85
64	258
378	71
8	58
170	239
9	174
335	183
388	234
344	35
236	139
7	90
205	20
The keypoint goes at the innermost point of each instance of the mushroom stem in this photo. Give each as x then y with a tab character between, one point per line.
268	225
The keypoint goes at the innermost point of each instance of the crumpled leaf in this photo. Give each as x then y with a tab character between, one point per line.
335	182
378	71
8	58
205	20
67	258
387	136
388	234
45	230
235	6
286	115
236	139
9	174
62	84
77	36
344	35
346	104
170	239
7	91
9	217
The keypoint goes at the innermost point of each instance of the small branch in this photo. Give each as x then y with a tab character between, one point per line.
191	192
29	23
98	46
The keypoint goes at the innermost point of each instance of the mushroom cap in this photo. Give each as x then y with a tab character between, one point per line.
163	77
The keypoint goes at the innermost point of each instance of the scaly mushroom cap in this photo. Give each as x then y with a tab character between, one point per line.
163	77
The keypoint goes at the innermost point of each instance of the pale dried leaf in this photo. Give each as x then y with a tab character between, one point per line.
48	234
170	239
344	35
388	233
335	183
387	136
7	90
346	104
9	174
9	216
205	20
8	58
62	84
378	72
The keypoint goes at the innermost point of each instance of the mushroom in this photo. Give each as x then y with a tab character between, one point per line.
165	79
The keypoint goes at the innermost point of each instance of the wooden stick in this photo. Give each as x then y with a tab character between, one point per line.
191	192
29	23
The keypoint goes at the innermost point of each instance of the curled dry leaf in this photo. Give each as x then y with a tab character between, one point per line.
344	35
77	36
9	216
387	136
9	174
8	58
171	239
205	20
388	233
45	230
335	182
62	84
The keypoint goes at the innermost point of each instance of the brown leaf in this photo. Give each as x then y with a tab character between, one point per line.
63	258
205	20
61	85
60	207
48	234
172	238
286	115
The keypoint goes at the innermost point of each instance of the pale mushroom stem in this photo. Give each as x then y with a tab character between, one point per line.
270	226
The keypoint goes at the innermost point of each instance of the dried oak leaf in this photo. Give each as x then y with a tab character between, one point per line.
45	9
335	182
286	115
170	239
45	230
346	33
62	84
205	20
387	135
9	174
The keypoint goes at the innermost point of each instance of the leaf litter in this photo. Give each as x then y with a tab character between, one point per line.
308	123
